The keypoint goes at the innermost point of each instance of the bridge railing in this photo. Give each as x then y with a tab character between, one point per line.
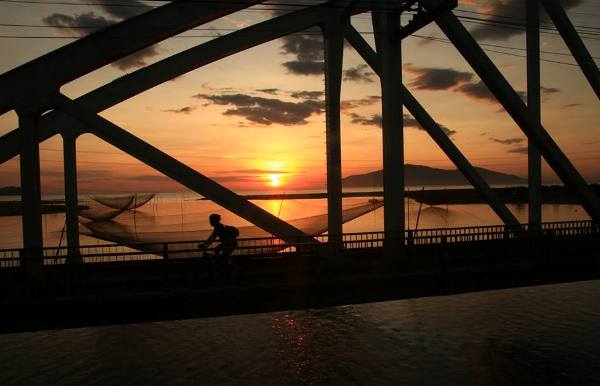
265	247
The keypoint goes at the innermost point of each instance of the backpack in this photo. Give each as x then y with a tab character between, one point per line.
231	232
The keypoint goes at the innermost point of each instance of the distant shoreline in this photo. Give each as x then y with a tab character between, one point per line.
14	208
551	194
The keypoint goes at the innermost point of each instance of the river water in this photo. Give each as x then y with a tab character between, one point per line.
184	211
545	335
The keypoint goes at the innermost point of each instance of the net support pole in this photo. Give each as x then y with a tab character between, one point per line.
31	197
386	25
534	159
334	48
71	200
574	42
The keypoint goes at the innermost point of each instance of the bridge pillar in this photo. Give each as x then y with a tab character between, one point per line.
31	197
534	159
386	25
334	50
71	200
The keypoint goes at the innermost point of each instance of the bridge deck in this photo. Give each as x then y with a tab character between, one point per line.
118	283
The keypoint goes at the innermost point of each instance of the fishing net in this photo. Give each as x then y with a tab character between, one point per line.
124	202
104	208
133	228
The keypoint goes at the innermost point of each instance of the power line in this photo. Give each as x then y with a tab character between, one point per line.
236	29
282	6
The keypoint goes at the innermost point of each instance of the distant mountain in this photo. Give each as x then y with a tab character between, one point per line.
10	191
419	175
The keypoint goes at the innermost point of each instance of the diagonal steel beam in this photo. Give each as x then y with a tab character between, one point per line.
48	72
574	42
178	171
435	131
144	79
512	103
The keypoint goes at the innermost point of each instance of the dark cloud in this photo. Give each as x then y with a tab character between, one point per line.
359	74
308	49
83	24
437	78
547	91
137	59
508	141
78	24
266	111
182	110
449	132
304	67
500	10
477	91
314	95
374	120
519	150
409	121
207	86
440	79
571	105
270	91
354	103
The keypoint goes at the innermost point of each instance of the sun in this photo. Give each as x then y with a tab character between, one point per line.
274	179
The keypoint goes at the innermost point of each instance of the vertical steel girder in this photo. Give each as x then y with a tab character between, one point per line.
436	132
513	104
179	172
333	53
71	197
49	72
31	196
386	25
574	42
534	159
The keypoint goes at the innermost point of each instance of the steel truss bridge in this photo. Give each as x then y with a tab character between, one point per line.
33	92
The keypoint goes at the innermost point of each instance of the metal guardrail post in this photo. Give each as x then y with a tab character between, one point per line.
411	238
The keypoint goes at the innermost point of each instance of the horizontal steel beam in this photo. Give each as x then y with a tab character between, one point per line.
435	131
170	167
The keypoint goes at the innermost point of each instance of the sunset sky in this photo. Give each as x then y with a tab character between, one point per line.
255	120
